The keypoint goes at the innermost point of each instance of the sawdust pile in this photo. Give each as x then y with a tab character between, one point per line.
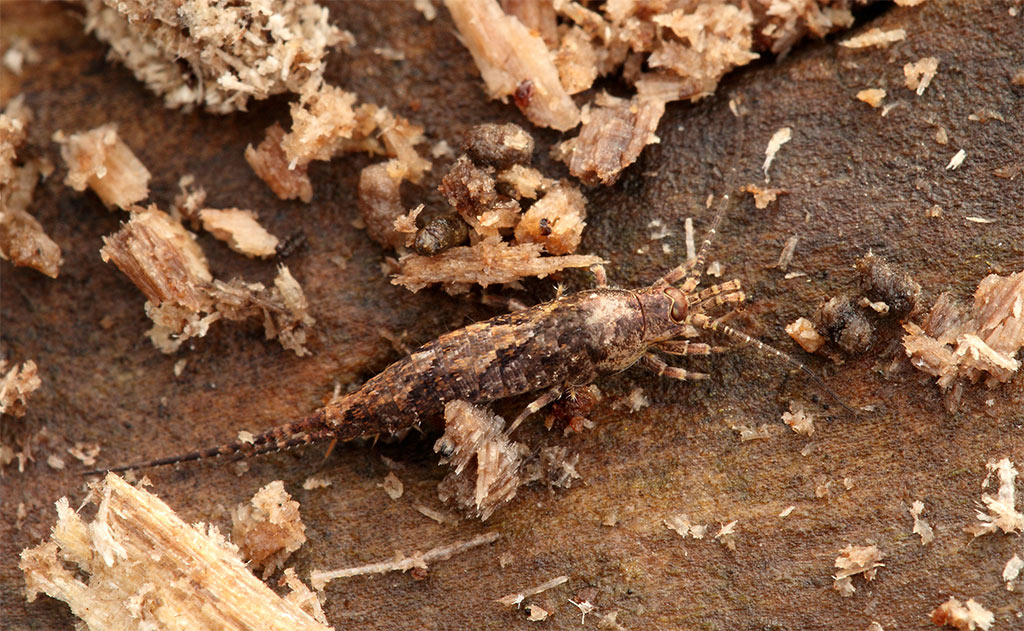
216	55
22	239
139	566
16	383
542	53
518	222
268	528
163	260
954	346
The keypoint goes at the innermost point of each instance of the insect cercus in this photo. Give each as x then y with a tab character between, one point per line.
551	348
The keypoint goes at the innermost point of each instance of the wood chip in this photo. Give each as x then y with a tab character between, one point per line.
100	160
919	74
871	96
268	529
875	37
144	562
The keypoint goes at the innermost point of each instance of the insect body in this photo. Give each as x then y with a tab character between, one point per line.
552	347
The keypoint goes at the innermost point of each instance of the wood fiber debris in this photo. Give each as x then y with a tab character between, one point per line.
140	567
22	238
541	53
326	122
268	528
100	160
214	54
953	345
16	383
163	260
853	560
519	223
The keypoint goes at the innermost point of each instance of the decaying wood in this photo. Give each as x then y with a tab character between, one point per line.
140	567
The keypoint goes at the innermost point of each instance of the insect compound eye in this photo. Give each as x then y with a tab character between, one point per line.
679	304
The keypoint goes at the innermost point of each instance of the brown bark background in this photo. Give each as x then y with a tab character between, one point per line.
857	181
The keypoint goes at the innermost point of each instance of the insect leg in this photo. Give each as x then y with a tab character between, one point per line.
691	270
546	398
660	368
600	277
704	322
683	347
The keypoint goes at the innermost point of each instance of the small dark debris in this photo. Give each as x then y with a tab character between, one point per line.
889	284
499	146
439	234
845	324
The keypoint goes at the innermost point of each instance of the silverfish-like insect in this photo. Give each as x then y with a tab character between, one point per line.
553	347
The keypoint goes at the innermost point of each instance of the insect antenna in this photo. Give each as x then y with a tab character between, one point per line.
704	322
308	430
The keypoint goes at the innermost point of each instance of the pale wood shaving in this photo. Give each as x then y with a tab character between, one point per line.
871	96
509	55
1012	570
853	560
491	261
303	597
667	50
139	565
474	435
402	563
562	211
763	197
515	599
921	527
270	163
162	259
805	334
392	486
779	138
952	346
22	239
241	230
537	614
919	74
16	384
875	37
100	160
964	616
1002	512
314	482
268	528
956	160
798	419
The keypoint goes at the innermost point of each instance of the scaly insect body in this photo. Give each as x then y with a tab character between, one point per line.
552	347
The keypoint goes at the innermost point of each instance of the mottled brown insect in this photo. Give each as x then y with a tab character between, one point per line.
553	347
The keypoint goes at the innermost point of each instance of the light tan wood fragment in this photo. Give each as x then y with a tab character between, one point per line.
140	567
